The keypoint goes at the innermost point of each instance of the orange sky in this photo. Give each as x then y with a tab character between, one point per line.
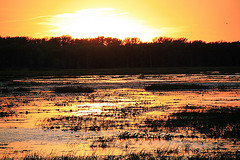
207	20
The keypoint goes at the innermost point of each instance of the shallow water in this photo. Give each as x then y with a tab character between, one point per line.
45	122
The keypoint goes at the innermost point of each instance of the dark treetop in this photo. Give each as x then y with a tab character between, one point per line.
68	53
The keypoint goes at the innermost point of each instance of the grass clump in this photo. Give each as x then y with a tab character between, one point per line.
73	89
157	154
7	113
216	156
221	122
170	87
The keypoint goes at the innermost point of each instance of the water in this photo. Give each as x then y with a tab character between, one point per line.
41	121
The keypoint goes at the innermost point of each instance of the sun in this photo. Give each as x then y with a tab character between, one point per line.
107	22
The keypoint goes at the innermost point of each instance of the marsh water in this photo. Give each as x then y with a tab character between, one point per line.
118	118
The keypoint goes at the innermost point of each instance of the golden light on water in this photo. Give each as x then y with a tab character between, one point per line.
115	118
107	22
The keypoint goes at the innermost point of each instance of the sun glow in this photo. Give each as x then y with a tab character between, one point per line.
107	22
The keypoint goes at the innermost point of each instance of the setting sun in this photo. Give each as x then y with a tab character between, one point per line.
108	22
119	79
195	20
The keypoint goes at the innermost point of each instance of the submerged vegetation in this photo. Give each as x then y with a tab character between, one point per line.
68	53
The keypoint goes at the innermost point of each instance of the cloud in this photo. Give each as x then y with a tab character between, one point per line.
25	20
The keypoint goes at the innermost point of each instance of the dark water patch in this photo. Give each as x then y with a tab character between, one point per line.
73	89
9	90
194	107
226	86
154	123
4	90
21	89
17	83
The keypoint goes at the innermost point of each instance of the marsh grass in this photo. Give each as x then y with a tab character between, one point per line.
84	123
170	87
179	86
142	155
139	126
219	122
36	156
6	90
214	122
7	113
6	75
73	89
114	118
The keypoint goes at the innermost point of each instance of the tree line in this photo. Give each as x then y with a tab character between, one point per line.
105	52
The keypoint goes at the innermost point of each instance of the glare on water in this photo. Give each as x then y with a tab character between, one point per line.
116	119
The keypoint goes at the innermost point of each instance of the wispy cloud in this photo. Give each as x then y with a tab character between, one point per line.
25	20
39	17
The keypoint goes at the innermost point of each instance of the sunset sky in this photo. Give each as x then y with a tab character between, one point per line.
207	20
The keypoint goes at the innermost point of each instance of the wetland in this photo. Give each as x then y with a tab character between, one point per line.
125	116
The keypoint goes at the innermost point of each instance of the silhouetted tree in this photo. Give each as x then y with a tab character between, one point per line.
65	52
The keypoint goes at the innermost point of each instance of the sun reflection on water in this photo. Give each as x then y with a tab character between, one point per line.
119	117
